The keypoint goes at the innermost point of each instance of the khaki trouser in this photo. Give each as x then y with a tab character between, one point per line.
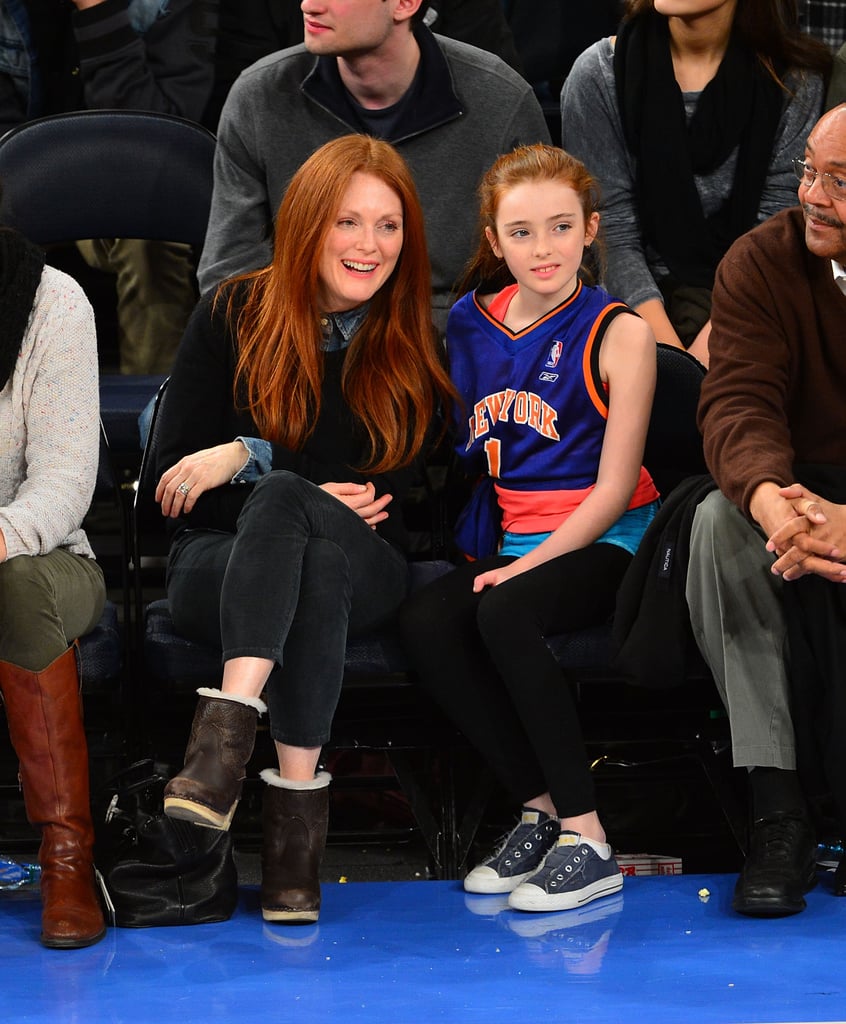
156	292
737	617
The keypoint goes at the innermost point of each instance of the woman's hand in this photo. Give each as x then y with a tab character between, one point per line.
361	498
183	483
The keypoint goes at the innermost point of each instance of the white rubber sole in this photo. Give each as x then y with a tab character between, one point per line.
533	898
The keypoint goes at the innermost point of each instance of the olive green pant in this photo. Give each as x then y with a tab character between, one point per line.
46	602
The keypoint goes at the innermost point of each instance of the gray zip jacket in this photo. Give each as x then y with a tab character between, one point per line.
288	104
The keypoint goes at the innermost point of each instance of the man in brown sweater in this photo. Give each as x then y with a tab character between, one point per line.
773	415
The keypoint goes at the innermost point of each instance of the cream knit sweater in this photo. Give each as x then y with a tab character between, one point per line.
49	424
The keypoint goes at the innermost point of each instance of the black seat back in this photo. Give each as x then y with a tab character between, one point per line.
107	174
673	448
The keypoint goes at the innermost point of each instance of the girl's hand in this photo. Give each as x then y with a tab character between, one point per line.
183	483
493	577
361	498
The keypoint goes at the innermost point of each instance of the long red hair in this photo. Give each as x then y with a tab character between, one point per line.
393	372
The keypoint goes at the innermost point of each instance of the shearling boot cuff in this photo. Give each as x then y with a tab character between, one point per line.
252	702
272	777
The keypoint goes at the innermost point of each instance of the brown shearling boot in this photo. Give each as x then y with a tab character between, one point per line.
223	734
44	715
295	818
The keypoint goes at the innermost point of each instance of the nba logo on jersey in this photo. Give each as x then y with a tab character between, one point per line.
554	354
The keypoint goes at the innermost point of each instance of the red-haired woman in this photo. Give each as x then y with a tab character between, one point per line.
301	398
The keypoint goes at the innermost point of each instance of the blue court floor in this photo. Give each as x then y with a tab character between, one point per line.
667	949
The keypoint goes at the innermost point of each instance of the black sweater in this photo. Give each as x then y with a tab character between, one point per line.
200	413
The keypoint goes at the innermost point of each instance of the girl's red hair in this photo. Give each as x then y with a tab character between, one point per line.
534	163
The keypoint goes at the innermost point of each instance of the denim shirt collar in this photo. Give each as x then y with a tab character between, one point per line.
339	329
142	13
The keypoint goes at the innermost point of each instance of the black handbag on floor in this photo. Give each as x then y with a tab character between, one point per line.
157	871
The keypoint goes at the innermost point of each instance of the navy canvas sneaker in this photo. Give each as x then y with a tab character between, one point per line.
573	874
517	856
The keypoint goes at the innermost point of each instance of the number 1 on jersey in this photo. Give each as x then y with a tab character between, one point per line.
493	451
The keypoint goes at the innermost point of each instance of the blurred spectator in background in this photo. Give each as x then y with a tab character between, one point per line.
157	55
691	120
824	20
550	35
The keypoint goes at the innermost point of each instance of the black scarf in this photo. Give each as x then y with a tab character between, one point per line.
21	264
740	107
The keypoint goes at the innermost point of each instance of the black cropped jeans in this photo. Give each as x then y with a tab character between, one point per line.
301	573
484	659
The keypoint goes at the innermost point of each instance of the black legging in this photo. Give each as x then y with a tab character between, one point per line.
484	659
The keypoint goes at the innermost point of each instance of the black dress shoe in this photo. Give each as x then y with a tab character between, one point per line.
839	887
780	867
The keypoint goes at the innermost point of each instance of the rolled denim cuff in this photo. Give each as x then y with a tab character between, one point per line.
259	460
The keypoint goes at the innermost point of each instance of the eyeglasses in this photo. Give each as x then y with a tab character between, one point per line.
831	185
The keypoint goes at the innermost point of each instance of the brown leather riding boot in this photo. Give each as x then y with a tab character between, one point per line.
44	714
295	816
223	735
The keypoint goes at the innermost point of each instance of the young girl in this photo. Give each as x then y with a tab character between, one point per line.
556	381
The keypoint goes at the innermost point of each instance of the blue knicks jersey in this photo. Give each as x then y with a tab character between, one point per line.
534	405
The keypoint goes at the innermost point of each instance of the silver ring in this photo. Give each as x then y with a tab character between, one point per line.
183	489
